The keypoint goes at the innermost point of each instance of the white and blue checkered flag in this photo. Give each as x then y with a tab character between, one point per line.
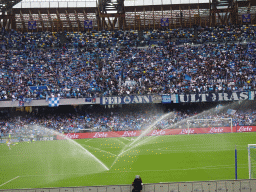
54	102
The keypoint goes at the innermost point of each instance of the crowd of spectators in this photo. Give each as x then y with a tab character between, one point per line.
92	64
125	121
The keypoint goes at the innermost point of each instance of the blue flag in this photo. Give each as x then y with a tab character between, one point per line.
164	22
88	24
188	78
246	18
31	25
54	102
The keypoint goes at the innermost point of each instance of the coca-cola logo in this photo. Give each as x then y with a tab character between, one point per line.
185	131
216	130
72	136
244	129
156	132
129	134
97	135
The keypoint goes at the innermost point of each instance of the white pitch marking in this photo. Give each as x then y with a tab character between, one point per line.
88	140
206	167
125	138
9	181
100	149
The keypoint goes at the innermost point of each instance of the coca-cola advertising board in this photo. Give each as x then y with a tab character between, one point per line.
209	130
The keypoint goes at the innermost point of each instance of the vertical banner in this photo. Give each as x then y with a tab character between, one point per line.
246	18
88	24
164	22
31	25
21	103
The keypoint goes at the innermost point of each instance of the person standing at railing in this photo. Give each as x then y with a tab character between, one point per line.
137	184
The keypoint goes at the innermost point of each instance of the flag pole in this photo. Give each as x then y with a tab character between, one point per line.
235	163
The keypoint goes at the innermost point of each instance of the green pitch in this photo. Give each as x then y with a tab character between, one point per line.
175	158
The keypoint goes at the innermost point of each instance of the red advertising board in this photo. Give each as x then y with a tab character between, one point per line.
209	130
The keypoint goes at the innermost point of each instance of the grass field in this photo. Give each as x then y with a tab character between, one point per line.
161	159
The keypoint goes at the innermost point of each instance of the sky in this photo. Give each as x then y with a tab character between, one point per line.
92	3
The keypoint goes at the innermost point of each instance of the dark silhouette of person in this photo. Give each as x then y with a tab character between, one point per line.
137	184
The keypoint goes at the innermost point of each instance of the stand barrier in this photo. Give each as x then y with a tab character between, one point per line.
248	185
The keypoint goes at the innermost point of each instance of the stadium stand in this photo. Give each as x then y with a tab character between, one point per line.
118	63
122	120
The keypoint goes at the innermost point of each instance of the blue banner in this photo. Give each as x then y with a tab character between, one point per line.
88	24
31	25
90	100
38	88
246	18
164	22
209	97
126	100
170	98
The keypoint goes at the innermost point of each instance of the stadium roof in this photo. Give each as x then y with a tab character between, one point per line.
59	15
92	3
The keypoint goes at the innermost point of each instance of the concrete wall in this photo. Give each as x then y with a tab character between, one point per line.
197	186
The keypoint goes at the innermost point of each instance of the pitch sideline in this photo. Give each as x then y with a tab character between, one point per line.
10	181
